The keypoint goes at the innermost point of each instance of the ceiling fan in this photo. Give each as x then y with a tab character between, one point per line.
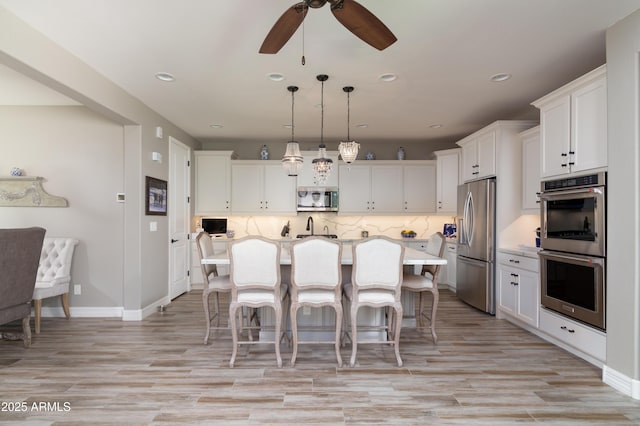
355	17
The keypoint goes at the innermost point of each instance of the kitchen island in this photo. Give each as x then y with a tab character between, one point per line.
317	324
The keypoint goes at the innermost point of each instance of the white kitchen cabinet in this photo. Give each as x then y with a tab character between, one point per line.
531	169
518	287
388	188
571	334
370	189
262	187
354	189
479	155
573	123
448	271
418	188
306	178
447	180
213	182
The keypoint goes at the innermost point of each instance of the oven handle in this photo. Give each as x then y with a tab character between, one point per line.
559	255
549	195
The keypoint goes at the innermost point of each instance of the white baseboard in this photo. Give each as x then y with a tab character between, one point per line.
106	312
140	314
620	382
84	312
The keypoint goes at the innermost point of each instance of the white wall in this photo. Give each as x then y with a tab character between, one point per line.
80	154
145	270
623	225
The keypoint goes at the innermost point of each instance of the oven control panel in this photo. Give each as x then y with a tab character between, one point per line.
597	179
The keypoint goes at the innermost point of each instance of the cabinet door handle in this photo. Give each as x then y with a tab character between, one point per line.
514	261
570	330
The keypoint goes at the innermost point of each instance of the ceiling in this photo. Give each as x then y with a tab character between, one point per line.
446	52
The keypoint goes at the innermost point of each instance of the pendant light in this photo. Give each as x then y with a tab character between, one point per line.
292	160
349	148
322	165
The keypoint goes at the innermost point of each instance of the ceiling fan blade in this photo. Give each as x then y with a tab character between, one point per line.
357	19
284	28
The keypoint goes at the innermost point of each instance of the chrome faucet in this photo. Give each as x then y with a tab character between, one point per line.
310	224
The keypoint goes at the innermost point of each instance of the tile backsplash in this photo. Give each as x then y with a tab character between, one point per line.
345	227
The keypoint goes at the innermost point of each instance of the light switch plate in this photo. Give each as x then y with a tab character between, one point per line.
153	226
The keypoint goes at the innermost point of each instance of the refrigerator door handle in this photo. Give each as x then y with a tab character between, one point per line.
470	219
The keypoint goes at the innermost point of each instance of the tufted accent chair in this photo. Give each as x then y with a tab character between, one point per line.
54	274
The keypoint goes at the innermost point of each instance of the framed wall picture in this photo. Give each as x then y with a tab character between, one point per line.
155	196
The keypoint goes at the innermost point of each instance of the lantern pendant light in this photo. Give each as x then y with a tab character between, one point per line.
349	148
292	160
322	165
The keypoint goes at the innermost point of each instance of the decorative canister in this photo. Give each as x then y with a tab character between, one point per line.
401	153
16	171
264	153
370	156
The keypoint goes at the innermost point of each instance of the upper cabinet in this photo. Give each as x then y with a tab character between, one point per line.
479	155
531	169
419	196
387	187
262	187
370	189
447	180
306	178
213	182
573	126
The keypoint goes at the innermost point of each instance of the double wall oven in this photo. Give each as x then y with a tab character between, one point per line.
573	241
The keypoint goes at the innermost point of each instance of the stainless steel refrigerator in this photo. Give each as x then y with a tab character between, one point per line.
475	270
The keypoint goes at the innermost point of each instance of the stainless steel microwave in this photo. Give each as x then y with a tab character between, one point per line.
321	199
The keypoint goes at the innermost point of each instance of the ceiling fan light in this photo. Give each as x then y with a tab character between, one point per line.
348	151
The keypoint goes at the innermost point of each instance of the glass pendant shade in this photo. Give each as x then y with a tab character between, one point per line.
292	159
348	151
322	165
349	148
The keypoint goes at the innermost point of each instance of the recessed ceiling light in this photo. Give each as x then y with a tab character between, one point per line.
388	77
503	76
436	126
216	126
362	126
165	76
275	76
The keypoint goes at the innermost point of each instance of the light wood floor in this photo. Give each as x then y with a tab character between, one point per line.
482	371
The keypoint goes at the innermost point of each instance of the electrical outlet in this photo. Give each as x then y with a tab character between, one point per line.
306	310
77	289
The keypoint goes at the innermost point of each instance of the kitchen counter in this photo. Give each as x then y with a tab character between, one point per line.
521	250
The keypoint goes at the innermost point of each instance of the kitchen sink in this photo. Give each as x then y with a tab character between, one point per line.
334	236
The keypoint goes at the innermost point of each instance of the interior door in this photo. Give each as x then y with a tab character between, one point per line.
179	190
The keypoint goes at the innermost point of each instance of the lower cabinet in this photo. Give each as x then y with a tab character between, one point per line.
586	339
518	287
448	272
